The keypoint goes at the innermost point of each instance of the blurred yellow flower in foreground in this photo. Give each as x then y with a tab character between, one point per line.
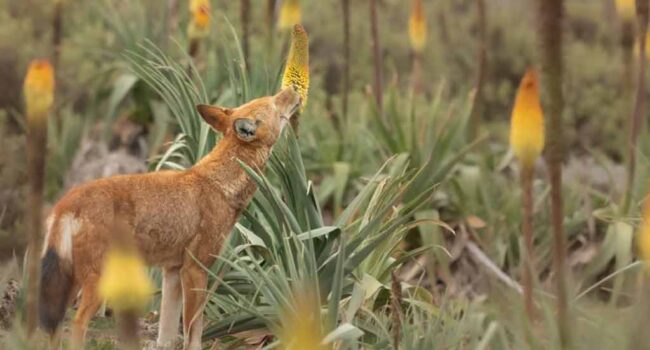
290	14
626	9
301	326
417	27
124	282
38	89
200	23
296	72
527	124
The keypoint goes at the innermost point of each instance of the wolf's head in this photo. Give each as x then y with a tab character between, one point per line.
258	122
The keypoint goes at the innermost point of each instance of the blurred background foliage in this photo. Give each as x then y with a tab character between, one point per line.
355	196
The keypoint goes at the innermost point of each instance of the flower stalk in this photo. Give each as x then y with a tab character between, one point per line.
245	17
636	117
481	58
549	33
270	21
376	54
57	29
345	4
38	90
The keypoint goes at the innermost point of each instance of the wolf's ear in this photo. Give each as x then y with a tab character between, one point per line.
215	116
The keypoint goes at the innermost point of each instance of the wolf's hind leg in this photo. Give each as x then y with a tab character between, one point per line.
90	303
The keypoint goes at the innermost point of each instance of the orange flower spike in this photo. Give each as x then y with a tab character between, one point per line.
200	23
38	90
202	18
527	124
417	27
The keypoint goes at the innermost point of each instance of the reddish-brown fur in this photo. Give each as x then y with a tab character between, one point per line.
176	216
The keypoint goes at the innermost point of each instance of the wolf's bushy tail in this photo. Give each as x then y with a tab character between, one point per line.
56	284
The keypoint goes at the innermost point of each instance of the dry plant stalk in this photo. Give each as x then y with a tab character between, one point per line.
346	56
270	21
636	117
57	24
481	57
172	20
551	13
245	16
527	142
376	54
127	330
38	90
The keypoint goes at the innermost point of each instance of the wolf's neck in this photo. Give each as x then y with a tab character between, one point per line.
224	173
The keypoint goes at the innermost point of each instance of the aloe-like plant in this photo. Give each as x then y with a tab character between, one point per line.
282	242
433	138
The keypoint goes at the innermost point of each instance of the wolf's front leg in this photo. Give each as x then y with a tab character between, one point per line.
170	309
194	280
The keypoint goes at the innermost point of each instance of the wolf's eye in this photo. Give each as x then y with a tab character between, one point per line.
258	122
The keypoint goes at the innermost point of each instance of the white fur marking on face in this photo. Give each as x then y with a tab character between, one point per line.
69	226
48	229
283	123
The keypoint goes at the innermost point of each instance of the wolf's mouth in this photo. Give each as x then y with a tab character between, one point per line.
294	108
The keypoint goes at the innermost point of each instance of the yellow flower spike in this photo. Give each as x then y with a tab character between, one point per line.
301	326
296	72
38	90
124	282
200	23
290	14
417	27
527	124
626	9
